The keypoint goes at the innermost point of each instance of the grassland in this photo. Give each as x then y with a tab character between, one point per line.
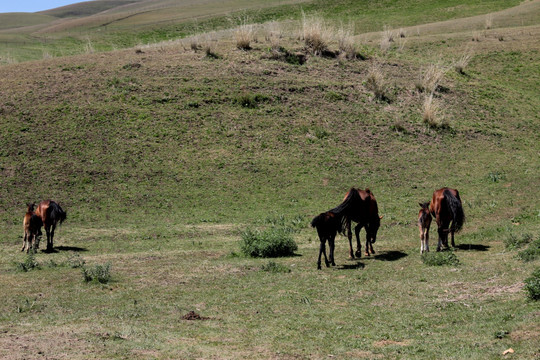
162	156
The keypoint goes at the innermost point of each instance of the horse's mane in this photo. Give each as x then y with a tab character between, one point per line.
346	208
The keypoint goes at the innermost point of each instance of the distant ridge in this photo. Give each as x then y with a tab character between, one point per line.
86	8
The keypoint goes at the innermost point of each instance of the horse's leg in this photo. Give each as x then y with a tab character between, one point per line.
48	231
452	234
358	245
331	243
53	226
371	248
422	243
24	241
426	239
321	249
349	236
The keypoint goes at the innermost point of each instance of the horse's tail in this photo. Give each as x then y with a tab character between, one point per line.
57	213
456	209
317	220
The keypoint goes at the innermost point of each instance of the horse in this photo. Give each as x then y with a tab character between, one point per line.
366	214
32	229
328	224
446	208
331	222
424	222
51	214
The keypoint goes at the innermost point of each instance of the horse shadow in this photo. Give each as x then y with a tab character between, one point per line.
356	265
69	248
392	255
473	247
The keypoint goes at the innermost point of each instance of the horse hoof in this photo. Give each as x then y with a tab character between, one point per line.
358	253
367	254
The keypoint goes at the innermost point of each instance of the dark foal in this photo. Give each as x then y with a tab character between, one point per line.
328	224
424	222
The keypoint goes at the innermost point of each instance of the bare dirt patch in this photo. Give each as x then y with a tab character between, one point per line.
192	315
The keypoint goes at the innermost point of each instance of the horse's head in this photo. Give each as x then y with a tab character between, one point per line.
424	215
372	227
30	207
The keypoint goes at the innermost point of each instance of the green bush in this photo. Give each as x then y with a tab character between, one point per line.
98	273
532	285
440	258
532	252
513	241
273	242
29	263
274	267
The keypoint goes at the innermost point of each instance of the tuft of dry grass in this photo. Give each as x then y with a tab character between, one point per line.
376	82
461	63
387	39
431	78
88	47
432	113
346	43
274	34
488	22
244	35
315	34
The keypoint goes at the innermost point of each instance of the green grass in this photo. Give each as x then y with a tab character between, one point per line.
162	169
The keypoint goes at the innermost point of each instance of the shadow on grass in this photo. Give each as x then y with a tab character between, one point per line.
356	265
390	256
473	247
69	248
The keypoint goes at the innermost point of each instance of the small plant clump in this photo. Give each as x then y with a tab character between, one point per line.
440	258
99	273
532	285
513	241
29	263
272	242
532	252
274	267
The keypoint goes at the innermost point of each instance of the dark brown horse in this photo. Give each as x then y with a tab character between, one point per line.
32	229
447	209
424	222
51	214
366	214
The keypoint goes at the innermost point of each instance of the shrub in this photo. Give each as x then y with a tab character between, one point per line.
29	263
532	252
274	267
440	258
273	242
513	241
532	285
98	273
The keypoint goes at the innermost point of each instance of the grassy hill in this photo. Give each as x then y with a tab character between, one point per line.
163	155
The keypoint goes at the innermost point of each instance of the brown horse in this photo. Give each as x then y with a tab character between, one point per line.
366	214
51	214
32	229
446	208
424	222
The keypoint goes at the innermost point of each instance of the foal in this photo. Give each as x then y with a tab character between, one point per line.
32	229
424	221
327	224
